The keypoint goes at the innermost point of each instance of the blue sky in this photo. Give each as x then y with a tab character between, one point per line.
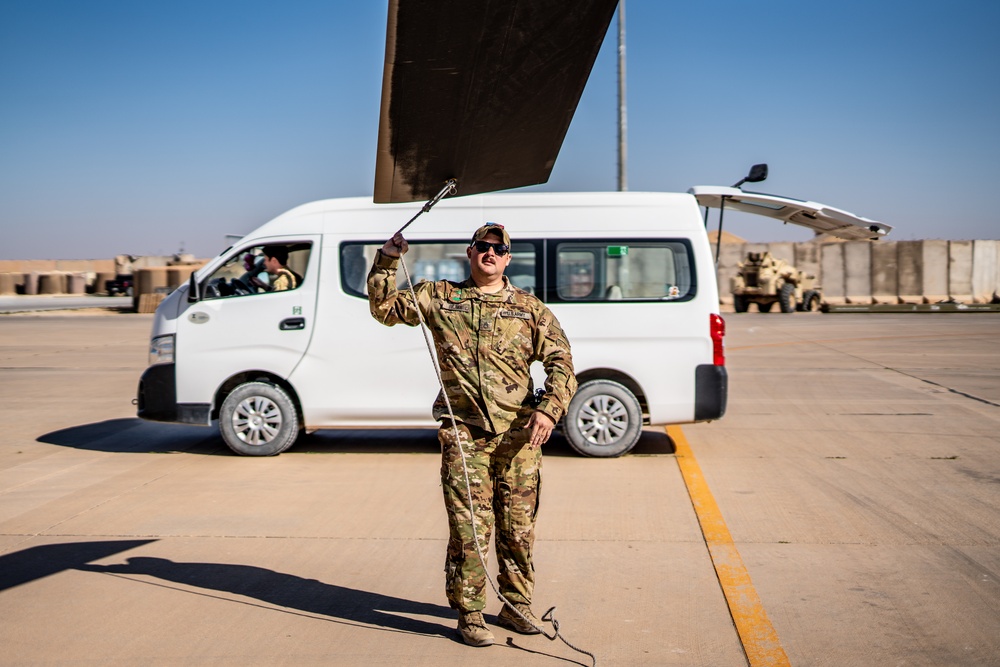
142	127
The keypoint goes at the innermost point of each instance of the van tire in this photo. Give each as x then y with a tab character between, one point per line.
258	419
603	420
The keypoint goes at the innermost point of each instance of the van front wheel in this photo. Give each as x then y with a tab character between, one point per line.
604	419
258	419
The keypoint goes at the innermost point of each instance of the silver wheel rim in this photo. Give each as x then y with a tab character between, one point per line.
603	420
256	420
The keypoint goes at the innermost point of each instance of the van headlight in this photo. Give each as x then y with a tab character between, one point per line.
161	350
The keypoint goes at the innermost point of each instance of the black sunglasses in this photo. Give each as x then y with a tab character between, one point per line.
499	249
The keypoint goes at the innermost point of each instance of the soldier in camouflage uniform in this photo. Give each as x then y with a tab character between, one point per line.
486	333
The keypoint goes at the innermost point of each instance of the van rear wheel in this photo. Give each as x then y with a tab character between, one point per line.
604	419
258	419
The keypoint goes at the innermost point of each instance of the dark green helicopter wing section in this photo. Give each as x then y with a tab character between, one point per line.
481	91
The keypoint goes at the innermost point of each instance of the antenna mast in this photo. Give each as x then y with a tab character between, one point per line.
622	120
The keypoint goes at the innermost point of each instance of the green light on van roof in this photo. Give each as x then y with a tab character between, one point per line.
617	250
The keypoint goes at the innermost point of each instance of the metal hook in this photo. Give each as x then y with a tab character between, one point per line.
450	188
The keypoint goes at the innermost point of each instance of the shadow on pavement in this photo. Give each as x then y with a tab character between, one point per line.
368	441
389	441
142	437
292	592
138	436
34	563
425	441
653	441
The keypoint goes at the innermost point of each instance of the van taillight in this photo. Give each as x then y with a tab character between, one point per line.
717	328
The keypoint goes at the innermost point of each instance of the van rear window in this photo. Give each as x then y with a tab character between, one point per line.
623	271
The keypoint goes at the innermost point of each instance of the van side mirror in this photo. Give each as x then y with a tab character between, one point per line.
193	296
758	173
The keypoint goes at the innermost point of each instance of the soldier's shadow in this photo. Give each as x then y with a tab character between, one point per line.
292	592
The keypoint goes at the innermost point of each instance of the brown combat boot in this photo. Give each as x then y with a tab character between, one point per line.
510	620
472	627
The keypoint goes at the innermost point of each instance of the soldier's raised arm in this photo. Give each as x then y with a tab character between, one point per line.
387	304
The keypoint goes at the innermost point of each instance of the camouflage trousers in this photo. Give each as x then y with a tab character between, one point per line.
504	474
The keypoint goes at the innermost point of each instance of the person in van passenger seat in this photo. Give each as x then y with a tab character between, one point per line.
275	261
487	332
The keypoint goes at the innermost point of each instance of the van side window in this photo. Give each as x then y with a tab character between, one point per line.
430	261
624	271
249	271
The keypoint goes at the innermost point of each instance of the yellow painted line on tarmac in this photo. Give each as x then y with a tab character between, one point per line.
760	641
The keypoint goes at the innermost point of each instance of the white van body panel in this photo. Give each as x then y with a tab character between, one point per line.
394	364
347	370
229	336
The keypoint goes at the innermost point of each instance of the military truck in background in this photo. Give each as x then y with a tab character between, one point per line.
147	274
124	281
766	280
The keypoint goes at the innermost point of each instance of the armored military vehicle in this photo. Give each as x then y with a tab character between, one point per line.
766	280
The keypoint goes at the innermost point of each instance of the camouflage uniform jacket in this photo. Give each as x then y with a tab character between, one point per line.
284	280
485	345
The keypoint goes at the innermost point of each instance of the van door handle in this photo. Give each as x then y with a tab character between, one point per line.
293	324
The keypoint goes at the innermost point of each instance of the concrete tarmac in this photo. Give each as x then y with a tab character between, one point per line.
857	471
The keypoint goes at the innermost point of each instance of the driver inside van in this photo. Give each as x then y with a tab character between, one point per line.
275	263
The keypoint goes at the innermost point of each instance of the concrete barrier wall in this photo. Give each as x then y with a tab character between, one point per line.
151	280
9	283
101	281
861	272
76	283
885	272
960	271
858	272
985	279
935	266
52	283
31	283
910	271
807	259
44	265
832	281
88	276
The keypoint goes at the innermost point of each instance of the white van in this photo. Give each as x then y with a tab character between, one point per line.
629	275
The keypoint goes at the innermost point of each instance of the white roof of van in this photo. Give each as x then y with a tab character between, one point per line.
554	213
503	200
